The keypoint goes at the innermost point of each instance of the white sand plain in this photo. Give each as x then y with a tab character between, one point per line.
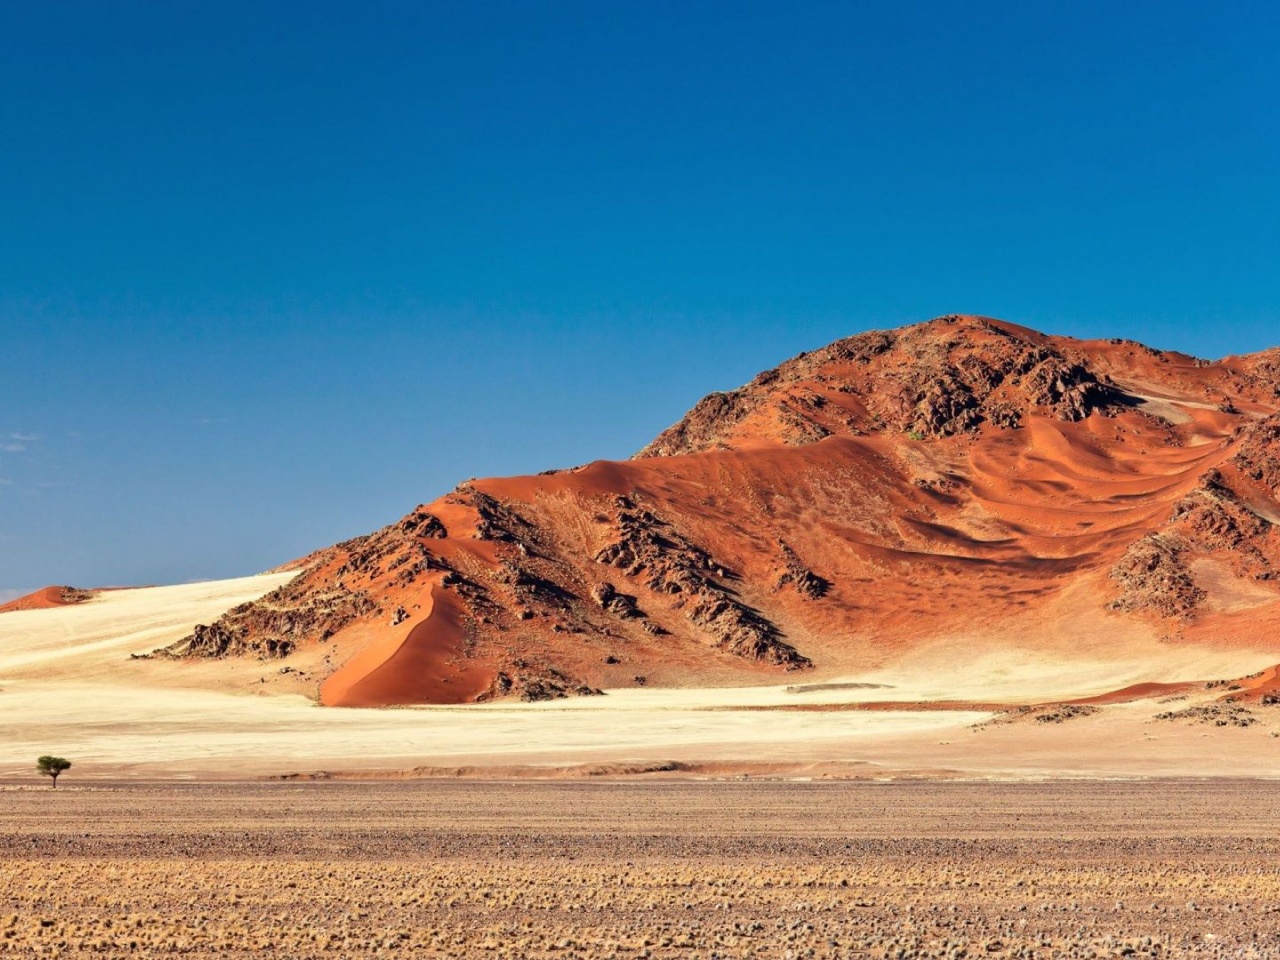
68	686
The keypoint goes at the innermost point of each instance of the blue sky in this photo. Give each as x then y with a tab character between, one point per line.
272	274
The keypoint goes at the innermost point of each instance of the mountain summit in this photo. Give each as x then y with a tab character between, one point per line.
942	490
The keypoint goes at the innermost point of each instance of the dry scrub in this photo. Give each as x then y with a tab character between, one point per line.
437	869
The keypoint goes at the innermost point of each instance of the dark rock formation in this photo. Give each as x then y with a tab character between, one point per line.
939	379
795	573
1153	575
619	604
650	549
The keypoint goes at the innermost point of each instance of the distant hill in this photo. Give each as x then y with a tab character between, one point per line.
964	484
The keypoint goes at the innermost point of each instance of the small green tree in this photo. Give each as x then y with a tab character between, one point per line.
52	766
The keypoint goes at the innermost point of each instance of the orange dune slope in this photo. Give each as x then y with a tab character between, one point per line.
960	485
46	598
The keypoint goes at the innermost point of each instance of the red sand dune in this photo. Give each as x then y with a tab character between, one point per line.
1138	691
47	597
423	664
964	479
1255	688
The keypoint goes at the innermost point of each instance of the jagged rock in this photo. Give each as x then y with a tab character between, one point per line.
318	603
808	583
648	547
698	430
1217	714
536	684
1258	455
1039	713
742	631
422	523
495	520
542	688
977	372
1153	576
799	428
276	624
621	605
530	587
1215	519
947	406
862	348
1069	389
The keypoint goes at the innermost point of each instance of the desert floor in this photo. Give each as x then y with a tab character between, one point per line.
641	868
68	686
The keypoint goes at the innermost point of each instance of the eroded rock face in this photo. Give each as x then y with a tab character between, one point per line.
700	429
1258	455
332	592
1213	519
796	574
1222	518
274	626
535	687
619	604
742	631
1153	575
941	379
649	549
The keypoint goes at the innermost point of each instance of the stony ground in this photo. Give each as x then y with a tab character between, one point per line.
641	869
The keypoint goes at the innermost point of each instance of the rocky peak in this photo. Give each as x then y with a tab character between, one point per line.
942	378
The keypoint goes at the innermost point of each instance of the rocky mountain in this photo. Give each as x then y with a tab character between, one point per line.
948	486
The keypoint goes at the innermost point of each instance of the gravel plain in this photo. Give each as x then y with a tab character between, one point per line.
641	868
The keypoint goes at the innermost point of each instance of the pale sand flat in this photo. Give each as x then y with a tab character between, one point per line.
68	685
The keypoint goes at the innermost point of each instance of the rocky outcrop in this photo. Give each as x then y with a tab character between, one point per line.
1214	520
1257	455
1068	389
957	389
796	574
1153	575
701	427
649	549
494	519
1216	714
324	598
1220	518
940	379
742	631
276	625
532	685
621	605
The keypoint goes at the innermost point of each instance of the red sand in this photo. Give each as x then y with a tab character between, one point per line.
425	665
1139	691
47	597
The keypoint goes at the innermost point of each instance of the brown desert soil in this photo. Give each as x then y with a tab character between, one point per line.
652	870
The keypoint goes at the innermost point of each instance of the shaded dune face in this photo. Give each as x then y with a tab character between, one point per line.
962	485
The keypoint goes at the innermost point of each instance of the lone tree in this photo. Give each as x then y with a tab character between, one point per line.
52	766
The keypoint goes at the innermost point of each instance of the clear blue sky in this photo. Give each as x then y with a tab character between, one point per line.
271	274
